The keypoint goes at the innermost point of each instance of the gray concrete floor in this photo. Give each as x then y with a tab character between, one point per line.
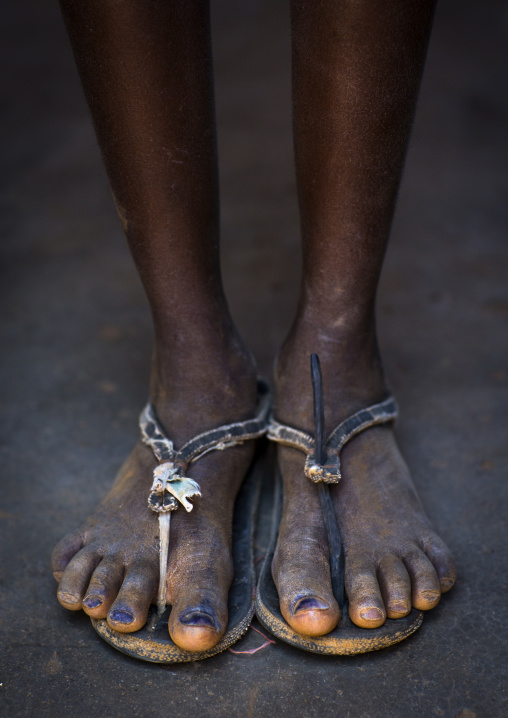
76	343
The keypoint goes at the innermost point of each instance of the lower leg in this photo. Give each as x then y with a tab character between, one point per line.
356	73
357	68
147	74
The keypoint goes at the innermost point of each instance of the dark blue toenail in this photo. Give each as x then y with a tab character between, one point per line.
92	602
310	603
121	616
198	617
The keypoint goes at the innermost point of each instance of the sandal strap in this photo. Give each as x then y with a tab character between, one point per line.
171	487
381	413
329	472
222	437
289	436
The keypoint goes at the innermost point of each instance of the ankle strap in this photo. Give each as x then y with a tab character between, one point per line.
222	437
170	485
381	413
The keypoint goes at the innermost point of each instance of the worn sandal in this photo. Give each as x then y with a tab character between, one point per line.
322	466
171	488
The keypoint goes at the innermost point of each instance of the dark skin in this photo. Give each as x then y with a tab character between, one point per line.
360	63
146	69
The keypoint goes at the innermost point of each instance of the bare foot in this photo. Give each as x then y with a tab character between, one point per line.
109	566
394	559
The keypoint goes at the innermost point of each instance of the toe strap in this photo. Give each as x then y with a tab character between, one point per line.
170	482
170	487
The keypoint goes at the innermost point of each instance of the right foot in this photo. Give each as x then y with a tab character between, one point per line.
109	566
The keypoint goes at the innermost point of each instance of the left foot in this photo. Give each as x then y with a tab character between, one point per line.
394	559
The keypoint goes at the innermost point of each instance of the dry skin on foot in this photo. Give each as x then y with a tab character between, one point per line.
355	83
393	558
109	567
356	69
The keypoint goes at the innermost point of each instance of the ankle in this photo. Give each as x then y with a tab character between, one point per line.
201	380
351	366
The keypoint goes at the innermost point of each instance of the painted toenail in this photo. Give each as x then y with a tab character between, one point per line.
371	614
92	601
199	618
446	583
309	603
121	616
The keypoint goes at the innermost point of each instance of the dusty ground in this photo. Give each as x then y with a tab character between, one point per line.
76	343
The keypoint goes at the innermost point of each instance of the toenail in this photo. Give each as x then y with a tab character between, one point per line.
92	601
398	607
67	598
309	603
121	616
371	614
430	596
446	583
199	618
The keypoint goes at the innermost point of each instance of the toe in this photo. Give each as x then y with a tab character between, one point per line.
395	587
366	606
76	578
198	619
306	597
103	587
315	613
442	560
63	552
199	587
300	568
200	576
129	611
425	588
301	573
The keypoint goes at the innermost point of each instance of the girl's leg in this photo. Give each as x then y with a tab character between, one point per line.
147	73
356	72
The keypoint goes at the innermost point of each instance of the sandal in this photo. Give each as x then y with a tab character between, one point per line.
171	488
322	466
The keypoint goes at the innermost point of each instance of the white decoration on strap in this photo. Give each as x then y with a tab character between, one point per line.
167	477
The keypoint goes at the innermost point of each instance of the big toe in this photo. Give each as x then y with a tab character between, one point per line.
198	620
305	590
300	568
199	588
312	613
